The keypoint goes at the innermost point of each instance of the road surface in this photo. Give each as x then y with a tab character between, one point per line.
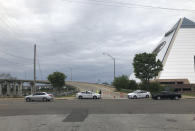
98	115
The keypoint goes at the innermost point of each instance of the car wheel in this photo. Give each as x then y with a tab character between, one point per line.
147	96
28	99
158	98
135	97
80	97
176	98
94	97
44	99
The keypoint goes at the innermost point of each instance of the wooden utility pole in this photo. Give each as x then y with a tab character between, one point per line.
71	74
34	84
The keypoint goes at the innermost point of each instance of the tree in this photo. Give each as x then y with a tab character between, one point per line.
146	66
57	79
123	82
132	85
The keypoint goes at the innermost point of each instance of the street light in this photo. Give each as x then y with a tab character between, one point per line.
104	53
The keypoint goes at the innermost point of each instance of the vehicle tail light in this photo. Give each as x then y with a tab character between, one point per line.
51	95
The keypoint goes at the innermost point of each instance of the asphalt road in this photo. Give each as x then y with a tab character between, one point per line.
118	106
98	115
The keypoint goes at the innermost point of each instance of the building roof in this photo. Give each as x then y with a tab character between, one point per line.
186	23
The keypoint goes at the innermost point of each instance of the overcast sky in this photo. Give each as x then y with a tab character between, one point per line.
75	33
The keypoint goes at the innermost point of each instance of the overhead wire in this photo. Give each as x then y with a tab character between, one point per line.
127	5
15	56
13	62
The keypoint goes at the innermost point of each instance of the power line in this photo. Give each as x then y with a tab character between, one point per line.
145	6
128	5
20	57
17	63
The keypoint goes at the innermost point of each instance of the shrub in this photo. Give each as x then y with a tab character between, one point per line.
123	82
132	85
152	87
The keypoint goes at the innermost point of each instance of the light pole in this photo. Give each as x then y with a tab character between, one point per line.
104	53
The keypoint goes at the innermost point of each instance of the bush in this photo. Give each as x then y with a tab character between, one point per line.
152	87
123	82
132	85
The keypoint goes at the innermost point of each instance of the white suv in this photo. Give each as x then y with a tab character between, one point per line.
39	96
88	94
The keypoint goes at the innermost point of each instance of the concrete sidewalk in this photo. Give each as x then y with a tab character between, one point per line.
99	122
187	97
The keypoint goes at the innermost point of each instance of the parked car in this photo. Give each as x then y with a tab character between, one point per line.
139	94
39	96
166	95
88	94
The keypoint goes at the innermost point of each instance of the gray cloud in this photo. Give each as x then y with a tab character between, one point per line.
75	35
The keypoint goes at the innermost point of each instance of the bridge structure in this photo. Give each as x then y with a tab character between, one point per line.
14	87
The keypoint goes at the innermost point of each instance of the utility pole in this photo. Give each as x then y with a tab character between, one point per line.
34	84
71	74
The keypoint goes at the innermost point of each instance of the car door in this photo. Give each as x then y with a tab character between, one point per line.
143	94
165	95
168	95
41	95
35	96
139	94
84	94
89	94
